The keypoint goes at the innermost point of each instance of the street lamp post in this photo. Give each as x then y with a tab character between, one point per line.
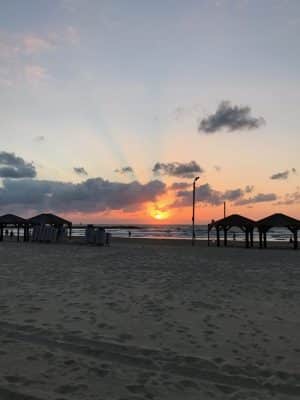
193	217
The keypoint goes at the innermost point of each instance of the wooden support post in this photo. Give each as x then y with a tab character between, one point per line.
70	232
208	236
265	240
1	233
251	238
260	239
218	236
225	236
18	233
295	240
247	238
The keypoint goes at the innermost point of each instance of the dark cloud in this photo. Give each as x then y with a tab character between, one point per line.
80	171
280	175
125	170
91	195
12	166
259	198
249	188
232	195
207	195
283	175
39	139
230	117
179	186
183	170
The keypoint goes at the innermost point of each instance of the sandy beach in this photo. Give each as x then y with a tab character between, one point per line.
148	320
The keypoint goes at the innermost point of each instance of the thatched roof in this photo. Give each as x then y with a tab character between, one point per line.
11	219
278	220
48	219
234	220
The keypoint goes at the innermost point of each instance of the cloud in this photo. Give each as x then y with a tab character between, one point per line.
217	168
283	175
35	44
80	171
12	166
39	139
16	49
207	195
231	118
91	195
183	170
35	73
249	189
280	175
259	198
125	170
290	198
179	186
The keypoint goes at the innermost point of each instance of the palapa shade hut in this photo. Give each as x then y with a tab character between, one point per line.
235	220
13	221
277	221
50	219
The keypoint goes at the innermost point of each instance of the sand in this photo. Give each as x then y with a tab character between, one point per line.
148	320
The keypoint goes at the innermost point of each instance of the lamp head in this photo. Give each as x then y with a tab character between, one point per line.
197	177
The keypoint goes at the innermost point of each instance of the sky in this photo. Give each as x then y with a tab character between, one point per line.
110	109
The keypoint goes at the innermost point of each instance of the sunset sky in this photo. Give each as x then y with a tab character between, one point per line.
109	109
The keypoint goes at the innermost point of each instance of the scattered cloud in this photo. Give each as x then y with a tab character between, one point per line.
35	44
283	175
80	171
16	49
179	186
125	170
39	139
91	195
217	168
183	170
249	189
207	195
12	166
290	198
231	118
179	113
259	198
35	73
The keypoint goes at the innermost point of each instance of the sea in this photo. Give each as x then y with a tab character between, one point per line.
184	232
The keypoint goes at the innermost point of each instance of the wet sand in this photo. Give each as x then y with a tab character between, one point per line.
148	319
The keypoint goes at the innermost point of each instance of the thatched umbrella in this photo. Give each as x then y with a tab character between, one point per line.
235	220
11	220
279	221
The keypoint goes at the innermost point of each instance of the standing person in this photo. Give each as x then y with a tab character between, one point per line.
11	235
129	234
234	237
6	233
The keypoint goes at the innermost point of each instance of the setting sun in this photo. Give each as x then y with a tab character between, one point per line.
159	215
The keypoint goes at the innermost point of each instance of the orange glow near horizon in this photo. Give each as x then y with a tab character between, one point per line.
160	215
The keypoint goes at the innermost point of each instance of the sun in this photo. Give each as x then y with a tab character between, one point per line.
159	214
